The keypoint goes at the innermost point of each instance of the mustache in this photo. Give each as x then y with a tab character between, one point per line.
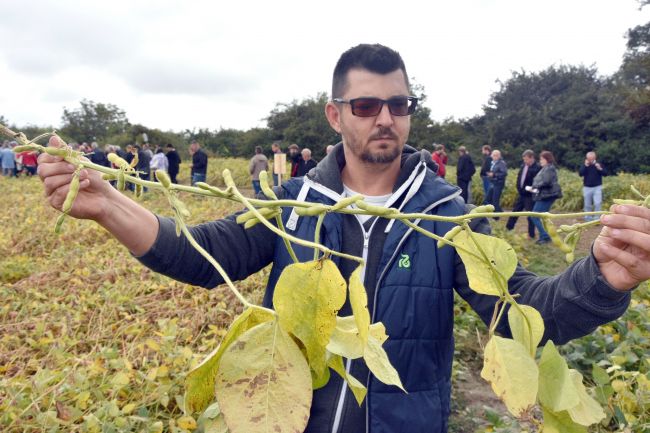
384	133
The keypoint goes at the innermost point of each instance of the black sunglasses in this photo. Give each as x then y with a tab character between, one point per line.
368	107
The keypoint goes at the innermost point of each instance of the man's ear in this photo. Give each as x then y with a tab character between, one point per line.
333	116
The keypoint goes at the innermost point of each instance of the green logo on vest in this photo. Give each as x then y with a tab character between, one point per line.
404	261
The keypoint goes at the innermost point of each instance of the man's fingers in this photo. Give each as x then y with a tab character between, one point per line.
635	218
630	237
55	142
48	168
52	183
634	265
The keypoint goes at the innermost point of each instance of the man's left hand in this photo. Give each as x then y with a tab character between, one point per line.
622	249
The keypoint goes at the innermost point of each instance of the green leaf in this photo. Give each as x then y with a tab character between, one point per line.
600	375
479	273
560	423
307	298
378	363
512	372
527	326
587	411
556	389
359	303
263	383
199	383
358	389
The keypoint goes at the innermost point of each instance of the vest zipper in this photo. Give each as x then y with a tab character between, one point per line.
348	363
377	285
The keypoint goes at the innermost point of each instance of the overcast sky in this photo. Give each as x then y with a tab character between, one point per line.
212	64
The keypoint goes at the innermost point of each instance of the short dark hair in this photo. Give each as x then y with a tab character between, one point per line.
487	147
528	153
258	149
371	57
548	156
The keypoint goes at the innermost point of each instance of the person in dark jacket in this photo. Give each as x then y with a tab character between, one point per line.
199	163
546	189
174	160
497	174
98	156
592	173
486	151
527	172
295	157
408	280
306	162
464	171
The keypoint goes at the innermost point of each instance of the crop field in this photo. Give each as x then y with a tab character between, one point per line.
92	341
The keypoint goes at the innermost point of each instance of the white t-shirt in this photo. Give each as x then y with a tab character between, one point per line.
375	200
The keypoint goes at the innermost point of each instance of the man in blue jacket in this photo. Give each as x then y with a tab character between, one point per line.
409	281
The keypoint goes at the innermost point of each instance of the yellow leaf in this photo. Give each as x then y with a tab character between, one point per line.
307	298
359	304
186	422
120	379
527	326
480	275
512	372
358	389
345	339
163	371
560	423
556	389
153	345
128	408
263	382
587	411
199	383
378	363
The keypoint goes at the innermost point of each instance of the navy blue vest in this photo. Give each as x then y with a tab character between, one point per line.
414	300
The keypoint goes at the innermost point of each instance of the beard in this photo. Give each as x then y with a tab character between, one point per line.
384	155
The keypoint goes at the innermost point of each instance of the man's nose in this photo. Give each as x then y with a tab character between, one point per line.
384	118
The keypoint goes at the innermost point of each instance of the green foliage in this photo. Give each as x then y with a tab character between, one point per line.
93	121
304	123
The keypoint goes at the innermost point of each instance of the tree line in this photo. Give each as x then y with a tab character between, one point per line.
566	109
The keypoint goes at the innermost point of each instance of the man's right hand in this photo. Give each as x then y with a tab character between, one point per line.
131	224
56	173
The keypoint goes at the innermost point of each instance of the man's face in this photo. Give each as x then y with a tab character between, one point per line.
495	155
528	160
378	139
591	157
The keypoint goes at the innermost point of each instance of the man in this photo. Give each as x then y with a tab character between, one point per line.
306	163
174	160
295	158
529	168
199	163
592	191
486	150
98	156
370	109
497	175
329	149
257	164
464	171
439	156
275	148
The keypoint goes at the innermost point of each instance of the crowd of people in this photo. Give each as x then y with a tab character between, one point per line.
301	163
148	160
537	183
